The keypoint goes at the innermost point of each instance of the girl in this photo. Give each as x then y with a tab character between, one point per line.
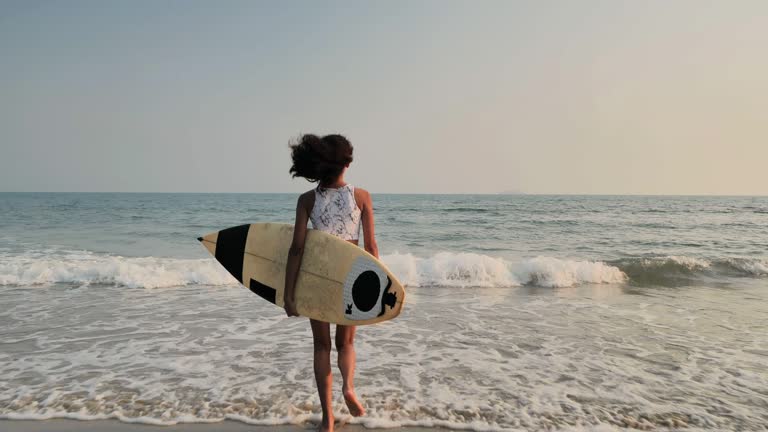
338	208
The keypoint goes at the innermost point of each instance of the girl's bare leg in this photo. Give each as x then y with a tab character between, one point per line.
321	334
345	339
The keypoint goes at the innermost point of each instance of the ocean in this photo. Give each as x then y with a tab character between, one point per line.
523	312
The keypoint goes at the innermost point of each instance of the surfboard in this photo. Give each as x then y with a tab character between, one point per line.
338	282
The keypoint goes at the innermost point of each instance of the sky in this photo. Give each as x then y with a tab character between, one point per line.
541	97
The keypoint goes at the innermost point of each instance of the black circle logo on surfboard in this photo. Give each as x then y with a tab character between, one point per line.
364	290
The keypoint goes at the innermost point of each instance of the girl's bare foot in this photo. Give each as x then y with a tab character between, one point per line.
355	407
326	425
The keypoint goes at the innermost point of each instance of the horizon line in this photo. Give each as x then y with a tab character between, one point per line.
405	193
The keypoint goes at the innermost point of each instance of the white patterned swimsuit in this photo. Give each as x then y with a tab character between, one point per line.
336	212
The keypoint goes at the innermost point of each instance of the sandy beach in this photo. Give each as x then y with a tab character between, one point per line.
63	425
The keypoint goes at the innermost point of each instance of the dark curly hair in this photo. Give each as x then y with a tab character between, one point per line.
320	159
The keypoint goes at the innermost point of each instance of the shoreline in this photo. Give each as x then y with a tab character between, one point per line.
114	425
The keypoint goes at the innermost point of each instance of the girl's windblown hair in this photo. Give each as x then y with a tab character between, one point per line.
320	159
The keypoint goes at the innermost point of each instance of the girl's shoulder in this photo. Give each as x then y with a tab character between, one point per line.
307	200
363	192
362	197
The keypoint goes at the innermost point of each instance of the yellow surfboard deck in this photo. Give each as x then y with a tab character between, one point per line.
338	282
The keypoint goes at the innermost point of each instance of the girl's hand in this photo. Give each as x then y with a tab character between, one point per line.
290	308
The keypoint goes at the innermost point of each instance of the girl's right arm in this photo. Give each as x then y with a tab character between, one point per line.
295	253
369	236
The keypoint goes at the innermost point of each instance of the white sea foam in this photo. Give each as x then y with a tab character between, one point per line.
455	358
83	268
451	269
553	272
442	269
470	269
445	269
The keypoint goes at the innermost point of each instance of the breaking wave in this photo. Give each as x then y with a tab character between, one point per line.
679	270
443	269
470	269
85	268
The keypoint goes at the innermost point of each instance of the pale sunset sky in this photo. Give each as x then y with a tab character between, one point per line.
572	97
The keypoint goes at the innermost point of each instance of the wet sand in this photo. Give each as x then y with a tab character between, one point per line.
63	425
